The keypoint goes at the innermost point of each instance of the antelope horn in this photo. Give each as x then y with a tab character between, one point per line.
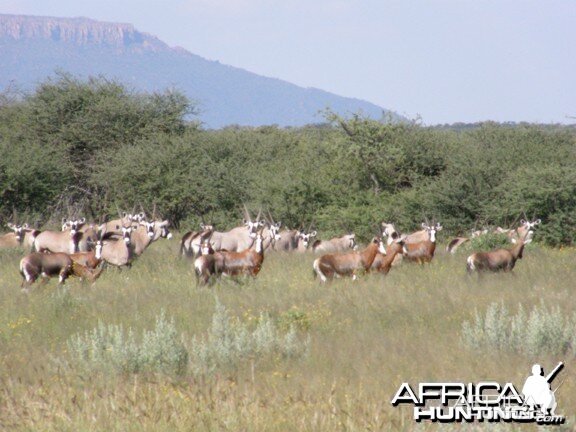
247	213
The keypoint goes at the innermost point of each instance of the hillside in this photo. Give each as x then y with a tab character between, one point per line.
33	48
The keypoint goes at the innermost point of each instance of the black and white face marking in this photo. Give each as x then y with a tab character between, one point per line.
165	232
17	231
149	228
98	249
206	248
126	233
306	238
530	225
259	241
253	227
352	240
275	231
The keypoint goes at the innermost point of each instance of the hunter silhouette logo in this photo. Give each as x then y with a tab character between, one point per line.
450	402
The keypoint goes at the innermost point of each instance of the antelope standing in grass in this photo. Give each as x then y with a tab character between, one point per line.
383	261
47	265
423	251
347	264
237	239
271	234
192	241
208	264
115	226
499	259
21	235
118	252
248	262
294	240
148	232
339	244
58	241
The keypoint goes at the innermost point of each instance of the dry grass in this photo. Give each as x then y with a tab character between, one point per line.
366	339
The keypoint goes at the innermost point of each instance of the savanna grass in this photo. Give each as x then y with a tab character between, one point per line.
366	338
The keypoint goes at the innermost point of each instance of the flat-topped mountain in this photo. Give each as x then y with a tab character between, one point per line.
33	48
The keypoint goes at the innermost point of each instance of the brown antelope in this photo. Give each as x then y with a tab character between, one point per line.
58	241
192	241
499	259
90	259
208	264
36	264
339	244
247	262
422	252
383	261
118	252
348	264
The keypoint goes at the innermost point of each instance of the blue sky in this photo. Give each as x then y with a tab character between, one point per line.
442	60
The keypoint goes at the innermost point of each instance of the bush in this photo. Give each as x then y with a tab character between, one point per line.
543	330
228	343
110	347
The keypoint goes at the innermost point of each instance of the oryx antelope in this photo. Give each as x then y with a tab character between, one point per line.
237	239
148	232
423	251
294	240
21	235
117	252
522	231
339	244
58	241
499	259
347	264
192	241
115	225
271	234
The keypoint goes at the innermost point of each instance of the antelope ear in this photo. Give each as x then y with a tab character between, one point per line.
124	215
538	222
513	240
279	224
424	225
83	220
261	223
313	233
245	222
164	223
438	227
25	226
522	222
202	226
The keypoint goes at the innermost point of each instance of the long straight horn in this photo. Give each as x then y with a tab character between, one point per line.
246	214
259	213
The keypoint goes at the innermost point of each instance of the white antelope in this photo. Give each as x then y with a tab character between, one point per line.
237	239
59	241
117	252
348	264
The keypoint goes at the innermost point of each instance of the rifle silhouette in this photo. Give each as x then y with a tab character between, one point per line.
550	377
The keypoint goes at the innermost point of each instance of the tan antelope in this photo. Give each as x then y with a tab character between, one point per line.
423	251
21	235
47	265
148	232
294	240
237	239
117	252
522	231
499	259
115	225
339	244
58	241
192	241
347	264
383	261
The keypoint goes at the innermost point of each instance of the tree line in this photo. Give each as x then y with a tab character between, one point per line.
95	147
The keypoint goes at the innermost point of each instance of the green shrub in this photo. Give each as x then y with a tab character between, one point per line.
543	330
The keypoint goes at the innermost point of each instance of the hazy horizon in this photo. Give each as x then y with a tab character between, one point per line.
446	61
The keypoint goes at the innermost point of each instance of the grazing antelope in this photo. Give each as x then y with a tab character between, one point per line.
339	244
499	259
58	241
118	252
422	252
336	265
237	239
192	241
383	261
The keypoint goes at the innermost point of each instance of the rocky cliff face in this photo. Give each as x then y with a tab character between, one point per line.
78	31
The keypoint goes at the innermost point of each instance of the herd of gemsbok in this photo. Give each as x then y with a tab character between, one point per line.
83	249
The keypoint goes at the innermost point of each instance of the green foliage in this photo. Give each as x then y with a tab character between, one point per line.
543	330
229	343
487	242
94	147
112	348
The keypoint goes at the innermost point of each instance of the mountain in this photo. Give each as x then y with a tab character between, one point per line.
33	48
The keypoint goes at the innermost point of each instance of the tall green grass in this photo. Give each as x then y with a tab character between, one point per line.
362	340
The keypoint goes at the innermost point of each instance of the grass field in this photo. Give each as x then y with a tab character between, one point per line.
366	338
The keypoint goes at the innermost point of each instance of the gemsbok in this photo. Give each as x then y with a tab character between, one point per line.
118	252
423	251
347	264
237	239
339	244
58	241
148	232
21	235
499	259
192	241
